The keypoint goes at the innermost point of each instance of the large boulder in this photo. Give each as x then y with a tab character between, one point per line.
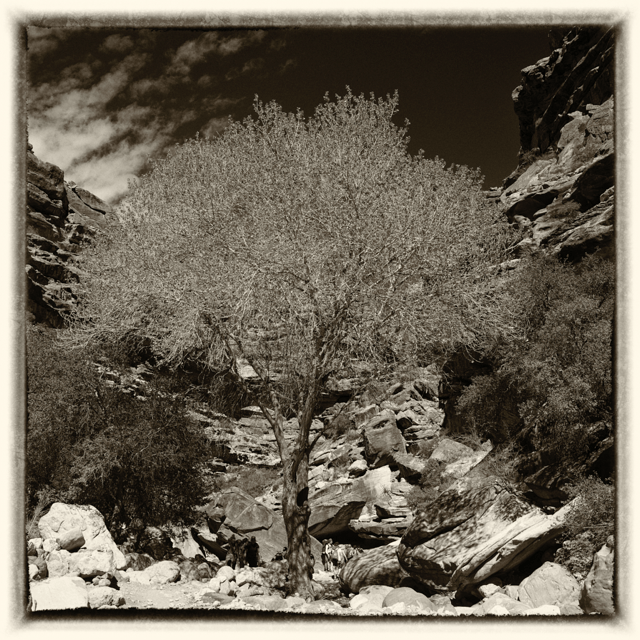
89	563
382	439
376	566
59	594
550	584
333	507
410	467
64	518
243	513
597	591
473	530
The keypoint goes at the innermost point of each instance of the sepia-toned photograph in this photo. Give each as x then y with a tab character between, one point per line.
318	317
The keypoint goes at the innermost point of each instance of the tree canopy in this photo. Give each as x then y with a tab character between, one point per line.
284	230
305	248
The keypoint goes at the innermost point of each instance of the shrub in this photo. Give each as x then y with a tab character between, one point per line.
550	385
89	443
590	521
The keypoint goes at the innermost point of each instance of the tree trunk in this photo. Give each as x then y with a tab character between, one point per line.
296	512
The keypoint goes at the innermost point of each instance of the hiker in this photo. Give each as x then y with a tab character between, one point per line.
326	555
241	558
340	557
230	558
253	553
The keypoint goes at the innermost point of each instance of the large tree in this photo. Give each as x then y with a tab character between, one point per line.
306	248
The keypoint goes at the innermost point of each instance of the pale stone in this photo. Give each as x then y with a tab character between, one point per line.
58	594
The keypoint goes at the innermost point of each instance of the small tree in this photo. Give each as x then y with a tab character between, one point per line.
304	248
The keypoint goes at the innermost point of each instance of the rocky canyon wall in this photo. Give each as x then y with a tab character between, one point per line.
60	218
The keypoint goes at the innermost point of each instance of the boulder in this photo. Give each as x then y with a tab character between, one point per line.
410	467
88	563
58	563
163	572
378	566
104	597
597	591
59	594
507	606
410	597
387	531
72	540
473	530
243	513
550	584
370	597
449	451
460	468
273	539
50	544
357	468
382	439
63	518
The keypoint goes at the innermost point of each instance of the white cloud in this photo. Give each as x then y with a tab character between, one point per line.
42	41
107	177
215	125
117	43
193	51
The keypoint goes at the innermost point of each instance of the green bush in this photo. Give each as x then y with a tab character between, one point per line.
90	443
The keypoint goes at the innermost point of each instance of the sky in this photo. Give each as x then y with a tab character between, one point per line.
102	101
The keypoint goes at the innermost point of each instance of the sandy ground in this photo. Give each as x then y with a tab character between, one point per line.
178	595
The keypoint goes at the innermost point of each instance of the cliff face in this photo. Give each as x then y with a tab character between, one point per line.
61	217
562	192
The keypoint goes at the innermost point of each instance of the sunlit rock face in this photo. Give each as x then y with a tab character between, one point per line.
562	192
60	217
475	529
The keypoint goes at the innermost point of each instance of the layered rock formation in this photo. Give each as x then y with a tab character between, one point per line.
562	192
61	217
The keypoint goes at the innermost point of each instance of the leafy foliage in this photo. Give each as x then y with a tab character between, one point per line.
88	443
293	249
556	378
285	231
